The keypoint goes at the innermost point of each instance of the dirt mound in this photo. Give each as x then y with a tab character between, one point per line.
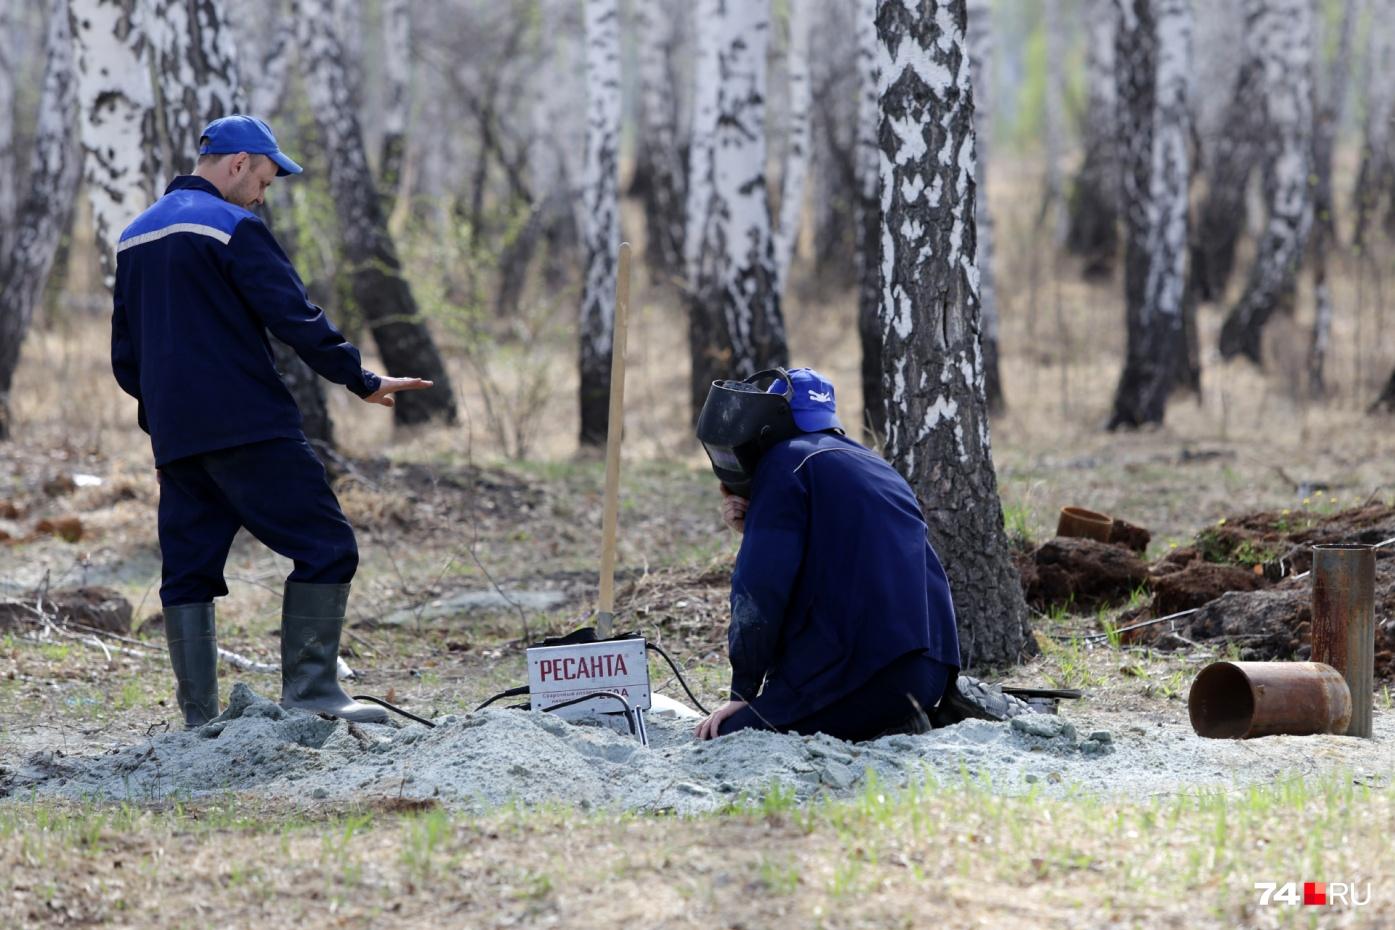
1198	584
1080	572
1276	623
96	608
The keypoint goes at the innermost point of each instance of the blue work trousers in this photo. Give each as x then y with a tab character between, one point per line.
914	682
277	489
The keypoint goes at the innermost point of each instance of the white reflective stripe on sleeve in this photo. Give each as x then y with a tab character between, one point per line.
197	229
840	449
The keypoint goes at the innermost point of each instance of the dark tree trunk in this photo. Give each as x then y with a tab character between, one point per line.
937	409
380	292
1284	35
1375	178
1093	228
1235	153
841	62
45	210
1152	59
660	157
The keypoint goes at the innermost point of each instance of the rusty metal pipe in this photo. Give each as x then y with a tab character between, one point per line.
1238	700
1344	622
1077	521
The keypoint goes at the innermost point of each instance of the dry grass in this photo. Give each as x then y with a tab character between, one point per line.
953	855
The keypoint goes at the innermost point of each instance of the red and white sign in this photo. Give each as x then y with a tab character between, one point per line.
560	673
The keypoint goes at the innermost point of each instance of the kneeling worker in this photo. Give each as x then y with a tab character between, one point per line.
199	282
841	619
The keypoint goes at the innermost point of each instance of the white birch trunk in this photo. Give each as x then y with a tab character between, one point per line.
707	86
195	59
1284	33
264	34
735	326
937	410
979	40
797	141
1153	62
118	129
43	216
600	232
867	216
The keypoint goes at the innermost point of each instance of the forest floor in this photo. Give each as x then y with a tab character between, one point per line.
467	555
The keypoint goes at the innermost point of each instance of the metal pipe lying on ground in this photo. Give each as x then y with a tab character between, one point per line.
1344	622
1239	700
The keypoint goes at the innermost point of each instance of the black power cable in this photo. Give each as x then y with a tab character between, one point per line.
629	710
681	680
511	692
395	709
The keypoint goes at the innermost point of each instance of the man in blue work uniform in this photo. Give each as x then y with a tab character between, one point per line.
199	283
841	619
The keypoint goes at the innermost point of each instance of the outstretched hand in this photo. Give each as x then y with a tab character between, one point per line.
390	386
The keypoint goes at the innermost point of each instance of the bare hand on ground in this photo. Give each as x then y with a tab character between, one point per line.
710	727
734	510
390	386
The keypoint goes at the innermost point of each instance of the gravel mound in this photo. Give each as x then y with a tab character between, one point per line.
482	760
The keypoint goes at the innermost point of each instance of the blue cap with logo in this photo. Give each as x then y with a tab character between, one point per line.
233	134
812	403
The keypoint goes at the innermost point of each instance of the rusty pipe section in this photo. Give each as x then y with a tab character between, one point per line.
1238	700
1344	622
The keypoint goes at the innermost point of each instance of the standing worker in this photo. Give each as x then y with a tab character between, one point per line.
841	618
199	282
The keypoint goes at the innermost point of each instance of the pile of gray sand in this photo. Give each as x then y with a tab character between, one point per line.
493	757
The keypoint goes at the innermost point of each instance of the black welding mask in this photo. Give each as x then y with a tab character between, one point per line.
741	420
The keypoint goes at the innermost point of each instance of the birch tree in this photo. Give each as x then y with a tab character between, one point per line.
835	79
9	167
45	210
937	410
1330	97
600	233
1152	57
867	154
194	58
1093	229
660	171
1284	33
1053	207
734	325
380	292
1232	155
1375	177
797	142
979	39
116	100
396	22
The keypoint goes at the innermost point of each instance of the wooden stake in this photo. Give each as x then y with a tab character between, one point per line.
615	429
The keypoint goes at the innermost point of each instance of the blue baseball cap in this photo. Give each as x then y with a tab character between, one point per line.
233	134
812	403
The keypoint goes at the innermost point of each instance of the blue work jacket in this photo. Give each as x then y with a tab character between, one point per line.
199	282
835	578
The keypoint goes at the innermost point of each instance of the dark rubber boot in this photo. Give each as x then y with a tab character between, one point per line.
194	655
312	615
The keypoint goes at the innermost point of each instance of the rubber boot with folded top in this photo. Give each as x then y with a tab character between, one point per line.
194	656
312	617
